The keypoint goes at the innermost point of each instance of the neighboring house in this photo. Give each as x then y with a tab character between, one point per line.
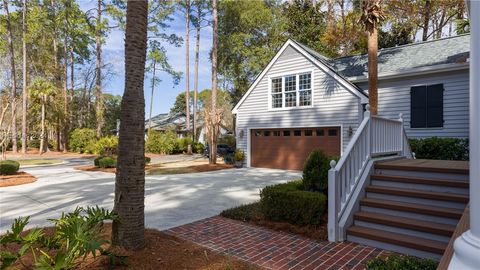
177	122
303	100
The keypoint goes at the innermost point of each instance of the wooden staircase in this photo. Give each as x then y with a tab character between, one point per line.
411	206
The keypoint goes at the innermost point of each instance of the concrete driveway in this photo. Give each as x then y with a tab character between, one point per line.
171	200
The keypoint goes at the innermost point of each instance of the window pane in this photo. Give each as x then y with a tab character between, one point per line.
277	100
297	133
305	98
320	132
305	81
258	133
286	133
291	99
276	133
332	132
308	132
266	133
290	83
277	85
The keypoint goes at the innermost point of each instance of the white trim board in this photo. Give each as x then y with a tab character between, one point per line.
345	83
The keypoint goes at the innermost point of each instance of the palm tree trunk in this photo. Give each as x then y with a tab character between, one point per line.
128	232
98	83
24	72
426	20
14	77
213	136
195	86
151	97
42	133
373	69
187	68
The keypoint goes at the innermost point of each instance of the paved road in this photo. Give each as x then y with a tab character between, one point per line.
171	200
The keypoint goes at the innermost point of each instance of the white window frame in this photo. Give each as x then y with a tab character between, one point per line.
297	89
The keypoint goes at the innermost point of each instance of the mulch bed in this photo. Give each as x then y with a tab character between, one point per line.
19	178
164	170
163	251
91	168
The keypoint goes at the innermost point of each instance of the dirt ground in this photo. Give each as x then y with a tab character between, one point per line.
191	166
19	178
162	252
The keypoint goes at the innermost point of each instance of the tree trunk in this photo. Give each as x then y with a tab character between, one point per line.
195	86
187	69
42	132
373	69
65	90
151	98
426	19
24	80
98	84
213	137
128	232
14	78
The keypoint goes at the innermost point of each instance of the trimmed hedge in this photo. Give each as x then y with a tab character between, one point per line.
289	202
148	160
107	162
8	167
229	158
400	262
245	212
315	171
440	148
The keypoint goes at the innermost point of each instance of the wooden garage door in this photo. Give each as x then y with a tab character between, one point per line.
289	148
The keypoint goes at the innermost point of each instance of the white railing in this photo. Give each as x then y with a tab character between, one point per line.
375	137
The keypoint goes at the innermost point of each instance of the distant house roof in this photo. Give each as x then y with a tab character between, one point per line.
451	50
175	121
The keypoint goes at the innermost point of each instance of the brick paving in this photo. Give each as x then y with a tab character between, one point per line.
274	249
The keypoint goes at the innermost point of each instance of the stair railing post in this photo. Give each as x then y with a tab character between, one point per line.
402	149
369	130
334	198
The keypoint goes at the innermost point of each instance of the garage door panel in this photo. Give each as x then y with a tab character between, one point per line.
290	152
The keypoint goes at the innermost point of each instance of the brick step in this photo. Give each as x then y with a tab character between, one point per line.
421	180
418	194
424	168
406	223
398	239
413	207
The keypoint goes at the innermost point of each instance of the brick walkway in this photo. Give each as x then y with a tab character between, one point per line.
274	249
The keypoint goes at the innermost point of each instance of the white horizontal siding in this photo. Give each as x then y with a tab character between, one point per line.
332	103
394	98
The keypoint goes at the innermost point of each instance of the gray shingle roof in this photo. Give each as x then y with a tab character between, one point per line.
416	55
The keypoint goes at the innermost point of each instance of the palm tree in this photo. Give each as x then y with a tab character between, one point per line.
128	231
41	90
371	16
214	113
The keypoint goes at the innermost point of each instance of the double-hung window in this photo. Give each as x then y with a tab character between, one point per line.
291	91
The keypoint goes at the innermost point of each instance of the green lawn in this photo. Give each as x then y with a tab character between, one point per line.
39	161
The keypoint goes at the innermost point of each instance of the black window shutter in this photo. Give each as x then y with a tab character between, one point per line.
435	105
418	107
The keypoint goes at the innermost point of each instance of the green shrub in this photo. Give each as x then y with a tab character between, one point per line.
75	236
400	262
229	158
239	155
34	143
181	145
198	147
107	162
81	138
105	146
8	167
440	148
244	212
160	142
289	202
228	140
148	160
315	171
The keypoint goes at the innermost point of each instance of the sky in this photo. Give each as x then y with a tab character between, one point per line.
165	91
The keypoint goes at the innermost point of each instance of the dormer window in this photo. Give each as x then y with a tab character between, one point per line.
291	91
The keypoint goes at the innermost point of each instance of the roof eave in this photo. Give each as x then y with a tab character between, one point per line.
413	71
